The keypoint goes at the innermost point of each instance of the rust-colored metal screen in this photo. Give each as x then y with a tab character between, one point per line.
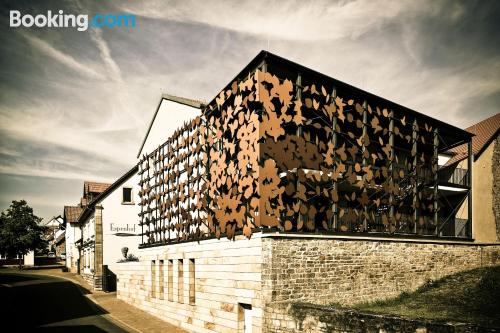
273	152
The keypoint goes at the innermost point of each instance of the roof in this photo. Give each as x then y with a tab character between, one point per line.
94	187
454	136
71	213
181	100
55	221
90	207
485	132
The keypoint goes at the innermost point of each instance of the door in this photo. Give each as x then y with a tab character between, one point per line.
247	318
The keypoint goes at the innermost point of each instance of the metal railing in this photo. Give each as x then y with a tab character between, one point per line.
459	176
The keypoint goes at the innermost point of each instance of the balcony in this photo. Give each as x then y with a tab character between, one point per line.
457	176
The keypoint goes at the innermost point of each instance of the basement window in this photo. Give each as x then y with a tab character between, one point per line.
127	196
191	282
180	281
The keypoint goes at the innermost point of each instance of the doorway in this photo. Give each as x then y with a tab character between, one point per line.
246	317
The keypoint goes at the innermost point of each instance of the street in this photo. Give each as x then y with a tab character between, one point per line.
49	304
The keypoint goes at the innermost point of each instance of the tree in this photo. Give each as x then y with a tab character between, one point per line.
20	231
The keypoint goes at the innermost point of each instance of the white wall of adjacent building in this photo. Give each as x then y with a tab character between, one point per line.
170	116
73	234
120	223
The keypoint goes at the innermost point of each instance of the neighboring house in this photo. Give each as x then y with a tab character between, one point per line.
53	226
485	178
291	186
73	236
109	223
60	242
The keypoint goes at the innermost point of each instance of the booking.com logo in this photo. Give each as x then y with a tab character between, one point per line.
61	20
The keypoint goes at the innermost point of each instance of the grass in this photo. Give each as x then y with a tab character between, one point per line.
472	296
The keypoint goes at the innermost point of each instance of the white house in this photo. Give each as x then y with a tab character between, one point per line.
109	223
73	235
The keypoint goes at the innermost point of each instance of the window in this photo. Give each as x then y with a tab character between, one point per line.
153	279
162	280
170	282
127	195
180	280
191	282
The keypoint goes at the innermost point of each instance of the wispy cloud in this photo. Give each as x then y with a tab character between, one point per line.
110	65
76	105
64	59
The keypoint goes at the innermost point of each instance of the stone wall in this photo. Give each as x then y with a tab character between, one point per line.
226	274
283	268
496	184
299	317
93	280
324	270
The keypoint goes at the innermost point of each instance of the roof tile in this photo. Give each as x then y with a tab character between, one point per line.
483	131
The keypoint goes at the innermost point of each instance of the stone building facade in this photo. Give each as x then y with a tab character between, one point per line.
291	186
208	286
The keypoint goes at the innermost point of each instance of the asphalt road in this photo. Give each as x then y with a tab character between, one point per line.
49	304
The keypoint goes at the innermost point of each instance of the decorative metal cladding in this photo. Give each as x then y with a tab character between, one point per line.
271	153
172	187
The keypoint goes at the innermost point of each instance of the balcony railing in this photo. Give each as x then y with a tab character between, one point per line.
459	176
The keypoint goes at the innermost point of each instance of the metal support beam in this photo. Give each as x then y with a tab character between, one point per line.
469	179
335	207
298	91
391	166
364	161
415	175
435	169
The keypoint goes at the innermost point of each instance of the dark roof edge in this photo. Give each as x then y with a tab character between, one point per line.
263	55
181	100
90	207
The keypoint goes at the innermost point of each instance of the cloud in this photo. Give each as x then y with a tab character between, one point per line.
111	66
77	104
295	20
65	59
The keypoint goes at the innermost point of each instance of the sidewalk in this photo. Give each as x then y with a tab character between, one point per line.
126	315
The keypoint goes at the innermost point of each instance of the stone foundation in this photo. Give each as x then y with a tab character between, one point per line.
298	317
225	275
348	271
277	268
93	280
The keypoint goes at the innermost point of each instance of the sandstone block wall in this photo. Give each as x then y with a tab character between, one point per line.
275	268
226	273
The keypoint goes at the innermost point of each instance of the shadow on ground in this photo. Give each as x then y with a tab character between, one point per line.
34	301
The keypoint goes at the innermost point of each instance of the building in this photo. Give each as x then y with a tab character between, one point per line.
53	226
73	237
73	234
109	223
291	186
60	242
485	178
171	113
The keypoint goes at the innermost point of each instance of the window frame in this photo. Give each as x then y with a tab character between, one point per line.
131	202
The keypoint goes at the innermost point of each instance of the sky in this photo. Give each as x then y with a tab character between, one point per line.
75	105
